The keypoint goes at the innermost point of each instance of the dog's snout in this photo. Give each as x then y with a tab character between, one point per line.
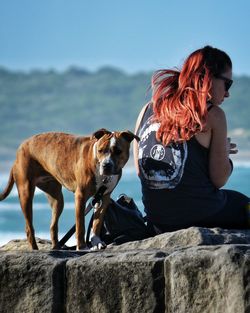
107	165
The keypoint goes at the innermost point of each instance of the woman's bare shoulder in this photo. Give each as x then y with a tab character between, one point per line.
215	116
140	116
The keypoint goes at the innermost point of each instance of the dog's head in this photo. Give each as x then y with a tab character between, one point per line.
111	150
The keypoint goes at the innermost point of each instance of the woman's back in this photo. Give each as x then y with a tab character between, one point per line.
175	181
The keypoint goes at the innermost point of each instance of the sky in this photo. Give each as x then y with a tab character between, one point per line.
132	35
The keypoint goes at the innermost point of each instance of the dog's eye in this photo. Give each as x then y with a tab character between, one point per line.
117	151
103	150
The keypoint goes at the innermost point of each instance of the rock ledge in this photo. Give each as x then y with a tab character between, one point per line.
191	270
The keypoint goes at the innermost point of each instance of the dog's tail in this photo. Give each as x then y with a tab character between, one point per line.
8	188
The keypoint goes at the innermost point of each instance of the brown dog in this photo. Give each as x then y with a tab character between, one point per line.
81	164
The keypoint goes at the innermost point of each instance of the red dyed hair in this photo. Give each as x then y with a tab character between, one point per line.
180	97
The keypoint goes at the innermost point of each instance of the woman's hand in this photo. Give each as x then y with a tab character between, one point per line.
231	147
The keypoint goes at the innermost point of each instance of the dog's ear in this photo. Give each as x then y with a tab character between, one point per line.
101	132
129	136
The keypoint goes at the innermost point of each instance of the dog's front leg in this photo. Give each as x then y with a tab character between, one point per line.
80	200
96	242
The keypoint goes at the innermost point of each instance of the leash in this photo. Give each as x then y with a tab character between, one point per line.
96	198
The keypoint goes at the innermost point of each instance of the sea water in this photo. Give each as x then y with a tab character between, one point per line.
12	224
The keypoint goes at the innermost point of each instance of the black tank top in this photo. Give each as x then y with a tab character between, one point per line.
175	180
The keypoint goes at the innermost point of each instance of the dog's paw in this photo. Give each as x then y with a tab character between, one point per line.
82	249
98	247
97	243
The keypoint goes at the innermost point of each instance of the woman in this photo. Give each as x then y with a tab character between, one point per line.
182	158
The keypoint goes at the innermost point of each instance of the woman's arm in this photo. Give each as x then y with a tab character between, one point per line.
220	147
135	145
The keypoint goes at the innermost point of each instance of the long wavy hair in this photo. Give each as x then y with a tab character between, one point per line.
180	97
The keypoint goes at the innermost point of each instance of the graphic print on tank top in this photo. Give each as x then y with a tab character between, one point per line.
160	166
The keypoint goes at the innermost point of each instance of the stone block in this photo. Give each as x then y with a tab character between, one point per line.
116	282
208	280
32	281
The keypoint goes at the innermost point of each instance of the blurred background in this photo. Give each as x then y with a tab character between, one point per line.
77	66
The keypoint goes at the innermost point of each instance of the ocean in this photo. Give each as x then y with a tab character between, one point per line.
12	224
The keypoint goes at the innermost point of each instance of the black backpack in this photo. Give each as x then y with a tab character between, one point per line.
123	222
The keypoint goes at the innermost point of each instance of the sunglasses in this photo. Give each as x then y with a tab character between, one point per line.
228	82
